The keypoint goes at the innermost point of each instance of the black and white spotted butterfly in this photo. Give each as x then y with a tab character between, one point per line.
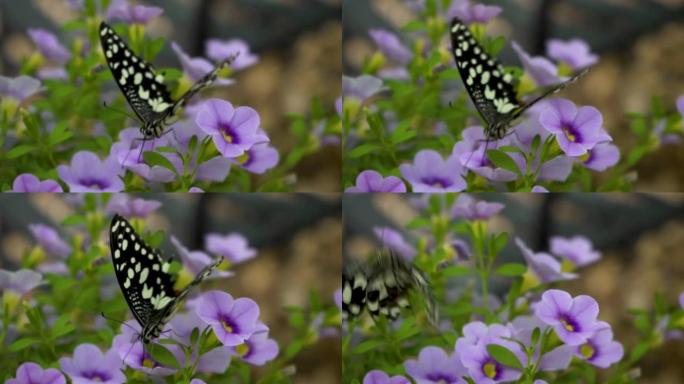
488	85
143	87
383	286
145	280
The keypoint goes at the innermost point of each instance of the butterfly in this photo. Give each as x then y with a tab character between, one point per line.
143	87
145	280
489	86
383	287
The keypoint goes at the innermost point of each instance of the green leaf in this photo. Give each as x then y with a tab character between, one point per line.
503	356
154	158
363	149
502	160
455	271
61	327
511	269
23	343
403	132
499	242
367	345
59	134
20	150
162	355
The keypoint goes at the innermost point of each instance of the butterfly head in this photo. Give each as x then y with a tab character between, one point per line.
152	128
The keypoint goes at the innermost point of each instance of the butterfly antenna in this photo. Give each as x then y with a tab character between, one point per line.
104	104
142	148
117	321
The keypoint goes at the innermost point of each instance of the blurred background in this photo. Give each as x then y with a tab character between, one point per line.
639	43
640	237
297	238
297	41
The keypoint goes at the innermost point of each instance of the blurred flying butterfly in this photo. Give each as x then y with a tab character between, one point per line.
383	287
489	86
144	88
145	280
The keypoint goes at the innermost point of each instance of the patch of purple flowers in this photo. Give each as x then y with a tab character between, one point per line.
27	182
87	173
431	173
32	373
372	181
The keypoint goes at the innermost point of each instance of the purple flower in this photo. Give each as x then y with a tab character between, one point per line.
200	381
233	320
543	266
259	159
463	252
32	373
361	88
49	240
577	130
377	376
89	365
182	325
195	190
18	88
540	69
50	73
49	46
232	246
127	151
219	50
337	296
258	348
602	156
539	189
472	13
19	282
395	241
196	261
681	300
216	360
132	352
430	173
128	206
196	67
471	153
131	14
573	319
434	366
680	105
390	45
372	181
27	182
576	52
470	209
600	349
233	130
472	349
87	173
577	249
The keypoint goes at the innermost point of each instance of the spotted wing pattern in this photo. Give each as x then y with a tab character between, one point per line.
489	86
144	278
383	287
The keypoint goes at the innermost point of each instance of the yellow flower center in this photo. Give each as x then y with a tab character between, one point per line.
489	370
587	350
227	327
569	134
242	159
242	349
148	363
567	325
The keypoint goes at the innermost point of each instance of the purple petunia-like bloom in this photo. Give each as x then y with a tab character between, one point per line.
128	152
87	173
472	13
21	281
573	319
431	173
27	182
361	88
258	349
196	261
132	352
372	181
471	153
544	266
259	159
232	246
470	209
540	69
19	88
49	240
32	373
132	14
196	67
377	376
90	365
233	320
577	130
49	46
435	366
577	249
219	50
394	240
128	206
603	156
390	45
575	52
600	349
233	130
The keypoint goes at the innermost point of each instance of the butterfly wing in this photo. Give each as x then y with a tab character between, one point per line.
489	87
354	283
143	88
142	274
